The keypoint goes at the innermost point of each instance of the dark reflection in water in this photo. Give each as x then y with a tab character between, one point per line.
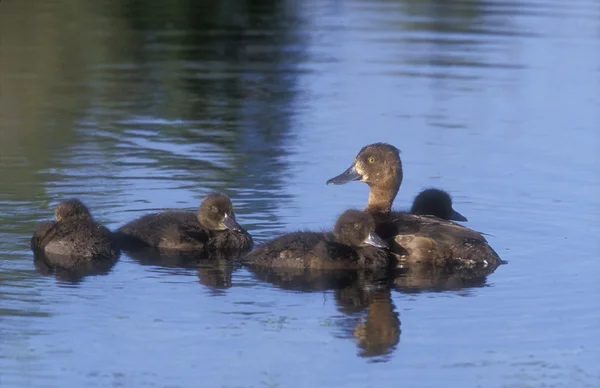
214	270
429	278
215	273
362	296
378	331
69	273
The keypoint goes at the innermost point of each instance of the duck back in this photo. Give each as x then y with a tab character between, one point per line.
168	230
316	250
332	255
288	250
427	238
77	239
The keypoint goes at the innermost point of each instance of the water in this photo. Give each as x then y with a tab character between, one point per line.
141	106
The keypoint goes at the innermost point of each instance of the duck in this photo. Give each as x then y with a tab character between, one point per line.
353	244
436	202
74	237
213	228
413	238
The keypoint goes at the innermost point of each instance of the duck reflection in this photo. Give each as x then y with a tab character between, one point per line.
426	277
362	295
62	267
305	279
377	327
214	269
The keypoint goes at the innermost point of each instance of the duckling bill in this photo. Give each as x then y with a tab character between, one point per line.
74	237
212	228
353	244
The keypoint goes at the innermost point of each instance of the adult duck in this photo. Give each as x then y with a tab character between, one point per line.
415	238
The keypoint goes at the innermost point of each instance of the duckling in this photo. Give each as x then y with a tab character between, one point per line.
353	244
213	228
415	238
74	237
435	202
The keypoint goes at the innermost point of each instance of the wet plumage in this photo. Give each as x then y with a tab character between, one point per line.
74	237
346	247
212	228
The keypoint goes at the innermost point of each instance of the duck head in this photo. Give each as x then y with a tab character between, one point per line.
216	213
436	202
357	228
71	209
379	166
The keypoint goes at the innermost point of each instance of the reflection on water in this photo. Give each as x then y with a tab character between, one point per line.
69	273
141	112
362	296
379	332
425	277
141	106
214	271
358	291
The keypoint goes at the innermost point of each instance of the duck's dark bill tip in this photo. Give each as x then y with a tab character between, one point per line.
347	176
231	224
375	241
456	216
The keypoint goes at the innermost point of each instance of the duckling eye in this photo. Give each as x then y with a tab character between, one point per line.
214	209
371	160
356	226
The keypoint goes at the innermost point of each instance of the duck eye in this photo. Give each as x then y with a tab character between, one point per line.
214	209
371	159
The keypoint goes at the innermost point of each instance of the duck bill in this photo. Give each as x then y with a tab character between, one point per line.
456	216
231	224
347	176
375	241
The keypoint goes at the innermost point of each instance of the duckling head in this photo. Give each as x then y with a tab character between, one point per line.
357	228
436	202
216	213
71	209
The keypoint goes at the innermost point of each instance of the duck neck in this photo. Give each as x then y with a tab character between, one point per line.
381	199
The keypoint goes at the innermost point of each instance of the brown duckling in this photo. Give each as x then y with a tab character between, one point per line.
435	202
353	244
415	238
74	237
212	228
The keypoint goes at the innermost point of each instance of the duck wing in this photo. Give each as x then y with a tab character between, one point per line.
430	239
170	229
399	223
